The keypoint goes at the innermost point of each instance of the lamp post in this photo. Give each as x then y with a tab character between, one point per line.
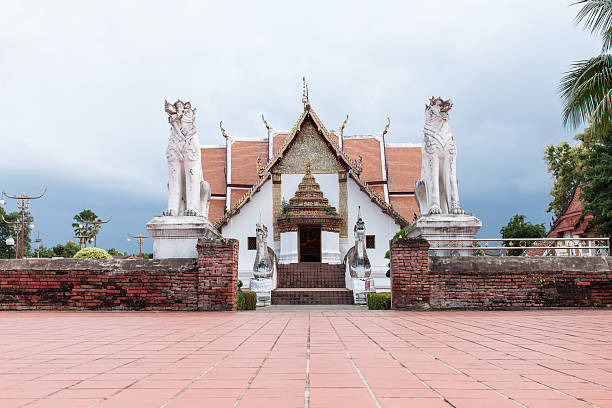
10	242
38	241
23	203
140	240
95	228
16	226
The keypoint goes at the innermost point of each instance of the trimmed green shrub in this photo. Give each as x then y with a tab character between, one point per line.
379	301
246	300
93	253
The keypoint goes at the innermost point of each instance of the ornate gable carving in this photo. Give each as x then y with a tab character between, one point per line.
308	147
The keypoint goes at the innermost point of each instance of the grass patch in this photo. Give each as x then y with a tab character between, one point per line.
246	300
379	301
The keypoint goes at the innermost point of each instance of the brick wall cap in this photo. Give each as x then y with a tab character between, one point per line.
418	241
101	265
216	242
498	265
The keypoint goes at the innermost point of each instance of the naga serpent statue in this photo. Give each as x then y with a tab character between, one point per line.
265	259
357	257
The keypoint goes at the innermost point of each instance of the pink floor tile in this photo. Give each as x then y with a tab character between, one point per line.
540	358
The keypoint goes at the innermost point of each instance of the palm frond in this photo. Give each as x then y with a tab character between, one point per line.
597	17
585	91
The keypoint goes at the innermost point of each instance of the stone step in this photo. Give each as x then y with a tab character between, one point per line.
310	275
312	296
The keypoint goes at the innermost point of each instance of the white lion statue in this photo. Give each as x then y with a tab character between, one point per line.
188	193
437	191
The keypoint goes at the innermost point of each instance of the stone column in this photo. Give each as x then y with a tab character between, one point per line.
217	274
409	272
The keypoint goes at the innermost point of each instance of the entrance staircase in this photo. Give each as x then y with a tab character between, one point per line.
312	283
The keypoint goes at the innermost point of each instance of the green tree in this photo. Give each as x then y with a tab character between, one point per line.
66	251
597	196
565	162
115	252
82	228
7	231
517	227
45	252
586	89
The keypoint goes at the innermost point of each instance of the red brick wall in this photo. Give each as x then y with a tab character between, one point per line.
409	263
218	274
117	284
483	282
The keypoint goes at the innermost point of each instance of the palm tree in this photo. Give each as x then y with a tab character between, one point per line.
586	89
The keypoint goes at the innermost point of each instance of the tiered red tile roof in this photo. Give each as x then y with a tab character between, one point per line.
387	170
572	219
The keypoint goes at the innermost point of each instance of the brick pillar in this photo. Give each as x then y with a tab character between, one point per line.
409	272
217	274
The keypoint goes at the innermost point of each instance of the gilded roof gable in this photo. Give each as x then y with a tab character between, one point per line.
308	147
302	128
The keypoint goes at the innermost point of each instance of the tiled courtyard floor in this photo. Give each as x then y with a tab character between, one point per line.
338	358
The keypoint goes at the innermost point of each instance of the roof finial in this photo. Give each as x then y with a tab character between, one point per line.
305	100
344	124
264	121
223	132
386	127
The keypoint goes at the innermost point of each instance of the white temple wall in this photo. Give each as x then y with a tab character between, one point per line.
330	247
242	225
288	247
328	182
378	224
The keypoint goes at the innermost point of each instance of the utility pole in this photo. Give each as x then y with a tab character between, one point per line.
140	239
23	203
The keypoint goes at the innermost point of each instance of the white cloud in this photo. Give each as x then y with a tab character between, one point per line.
83	83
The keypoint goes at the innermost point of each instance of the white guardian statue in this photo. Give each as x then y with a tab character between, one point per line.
185	220
437	191
188	192
442	222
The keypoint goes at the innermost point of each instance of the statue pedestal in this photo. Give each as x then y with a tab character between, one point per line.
263	288
177	237
437	227
361	288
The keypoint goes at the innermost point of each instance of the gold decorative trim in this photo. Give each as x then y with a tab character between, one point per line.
277	198
378	200
342	203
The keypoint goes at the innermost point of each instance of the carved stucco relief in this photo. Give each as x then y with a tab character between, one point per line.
309	147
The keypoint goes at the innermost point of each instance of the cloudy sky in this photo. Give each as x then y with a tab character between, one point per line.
82	86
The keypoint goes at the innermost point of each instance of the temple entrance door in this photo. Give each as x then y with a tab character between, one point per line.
310	244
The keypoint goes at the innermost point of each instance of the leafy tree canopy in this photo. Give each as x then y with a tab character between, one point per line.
586	89
66	251
115	252
597	196
517	227
82	228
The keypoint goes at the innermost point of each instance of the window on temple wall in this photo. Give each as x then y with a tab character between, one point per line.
371	241
252	246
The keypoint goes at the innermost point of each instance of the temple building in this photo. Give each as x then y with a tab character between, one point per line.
308	186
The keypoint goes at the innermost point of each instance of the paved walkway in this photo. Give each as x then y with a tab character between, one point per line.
339	358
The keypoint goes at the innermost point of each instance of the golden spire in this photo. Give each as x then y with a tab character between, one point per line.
305	100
